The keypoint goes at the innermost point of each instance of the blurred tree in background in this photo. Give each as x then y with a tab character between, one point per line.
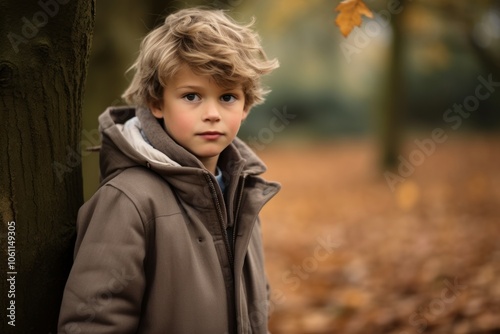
478	23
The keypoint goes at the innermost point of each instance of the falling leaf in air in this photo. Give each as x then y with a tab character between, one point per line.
349	16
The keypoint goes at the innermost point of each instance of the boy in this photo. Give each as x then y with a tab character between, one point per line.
171	243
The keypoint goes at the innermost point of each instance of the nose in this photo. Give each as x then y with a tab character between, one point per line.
211	112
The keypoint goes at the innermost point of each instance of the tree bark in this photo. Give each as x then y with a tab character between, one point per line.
43	63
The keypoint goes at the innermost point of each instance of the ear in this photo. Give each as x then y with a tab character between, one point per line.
156	109
246	111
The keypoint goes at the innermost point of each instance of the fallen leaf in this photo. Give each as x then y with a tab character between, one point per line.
407	195
349	16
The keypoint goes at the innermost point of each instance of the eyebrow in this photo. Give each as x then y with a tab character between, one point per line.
195	87
189	87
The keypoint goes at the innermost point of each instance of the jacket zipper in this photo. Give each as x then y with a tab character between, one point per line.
221	220
232	303
237	212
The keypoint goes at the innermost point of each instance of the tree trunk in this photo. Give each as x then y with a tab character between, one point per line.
43	63
393	104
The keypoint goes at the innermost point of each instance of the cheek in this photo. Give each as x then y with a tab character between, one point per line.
179	124
234	123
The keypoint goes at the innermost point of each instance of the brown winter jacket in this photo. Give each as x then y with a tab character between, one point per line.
152	253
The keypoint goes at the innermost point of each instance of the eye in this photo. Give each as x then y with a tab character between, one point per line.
191	97
228	98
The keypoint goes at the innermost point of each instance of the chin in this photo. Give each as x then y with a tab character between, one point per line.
208	153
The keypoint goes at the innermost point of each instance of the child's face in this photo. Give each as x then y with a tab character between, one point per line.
201	116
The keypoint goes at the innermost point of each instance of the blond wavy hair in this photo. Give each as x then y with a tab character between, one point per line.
210	43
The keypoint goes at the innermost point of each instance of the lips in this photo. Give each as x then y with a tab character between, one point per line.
210	135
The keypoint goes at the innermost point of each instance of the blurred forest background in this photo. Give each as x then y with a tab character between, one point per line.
388	218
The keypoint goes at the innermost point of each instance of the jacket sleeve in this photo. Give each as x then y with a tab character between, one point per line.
105	287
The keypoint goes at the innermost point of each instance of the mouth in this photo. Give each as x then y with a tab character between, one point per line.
210	135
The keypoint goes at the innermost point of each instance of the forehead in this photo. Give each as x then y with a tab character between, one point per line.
185	76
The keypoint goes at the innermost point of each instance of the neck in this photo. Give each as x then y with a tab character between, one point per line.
210	163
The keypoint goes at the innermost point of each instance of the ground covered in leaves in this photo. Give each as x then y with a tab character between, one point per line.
345	254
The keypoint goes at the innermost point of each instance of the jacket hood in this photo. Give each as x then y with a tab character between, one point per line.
133	137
